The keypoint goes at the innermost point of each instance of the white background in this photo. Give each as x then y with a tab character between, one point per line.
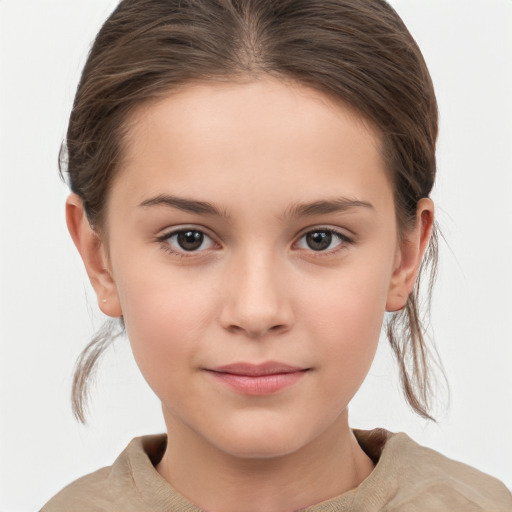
48	312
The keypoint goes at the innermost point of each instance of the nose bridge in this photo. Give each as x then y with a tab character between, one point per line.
256	301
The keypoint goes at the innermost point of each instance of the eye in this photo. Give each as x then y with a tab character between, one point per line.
321	240
187	240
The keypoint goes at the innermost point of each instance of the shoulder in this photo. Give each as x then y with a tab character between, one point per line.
90	492
121	485
411	477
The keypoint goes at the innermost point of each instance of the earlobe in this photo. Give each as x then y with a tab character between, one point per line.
409	256
92	251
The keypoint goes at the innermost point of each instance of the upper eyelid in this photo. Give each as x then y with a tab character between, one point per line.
331	229
335	232
345	242
168	232
171	232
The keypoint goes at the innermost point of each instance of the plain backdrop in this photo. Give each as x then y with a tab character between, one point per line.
48	312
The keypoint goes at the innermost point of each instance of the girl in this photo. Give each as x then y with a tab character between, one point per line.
250	194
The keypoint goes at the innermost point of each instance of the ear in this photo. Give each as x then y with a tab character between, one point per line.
409	256
93	253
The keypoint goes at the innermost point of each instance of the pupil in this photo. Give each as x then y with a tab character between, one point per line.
190	240
319	240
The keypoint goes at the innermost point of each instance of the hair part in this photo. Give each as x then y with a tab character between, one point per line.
358	52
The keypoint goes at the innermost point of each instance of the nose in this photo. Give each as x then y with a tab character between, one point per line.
255	301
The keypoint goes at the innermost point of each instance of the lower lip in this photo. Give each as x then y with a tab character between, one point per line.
259	385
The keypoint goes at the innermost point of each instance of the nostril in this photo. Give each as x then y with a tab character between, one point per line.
255	332
279	327
234	329
259	333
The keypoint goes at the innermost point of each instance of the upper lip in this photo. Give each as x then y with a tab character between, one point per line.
257	370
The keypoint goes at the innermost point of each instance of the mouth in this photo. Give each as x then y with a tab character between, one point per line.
258	379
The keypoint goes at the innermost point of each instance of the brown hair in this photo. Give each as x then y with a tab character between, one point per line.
358	51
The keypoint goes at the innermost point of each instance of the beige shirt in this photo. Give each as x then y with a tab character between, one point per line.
407	477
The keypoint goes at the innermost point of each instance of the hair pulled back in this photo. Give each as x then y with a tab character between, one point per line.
358	51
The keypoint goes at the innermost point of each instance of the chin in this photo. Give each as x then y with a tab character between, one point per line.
259	449
261	442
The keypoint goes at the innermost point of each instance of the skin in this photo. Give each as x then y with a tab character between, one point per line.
255	291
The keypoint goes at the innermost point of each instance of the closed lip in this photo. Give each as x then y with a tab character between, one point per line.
262	379
257	370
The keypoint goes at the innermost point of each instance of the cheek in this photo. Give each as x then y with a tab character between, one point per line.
350	301
346	323
165	317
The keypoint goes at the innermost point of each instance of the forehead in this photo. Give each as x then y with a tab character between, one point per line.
247	105
283	139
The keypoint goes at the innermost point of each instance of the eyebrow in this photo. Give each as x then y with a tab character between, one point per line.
336	205
186	205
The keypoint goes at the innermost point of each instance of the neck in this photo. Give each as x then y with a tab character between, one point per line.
217	481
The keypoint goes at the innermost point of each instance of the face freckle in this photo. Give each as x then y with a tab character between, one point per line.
253	167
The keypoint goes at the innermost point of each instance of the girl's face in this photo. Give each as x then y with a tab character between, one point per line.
252	251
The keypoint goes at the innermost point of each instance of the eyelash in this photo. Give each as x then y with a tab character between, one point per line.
344	240
165	245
